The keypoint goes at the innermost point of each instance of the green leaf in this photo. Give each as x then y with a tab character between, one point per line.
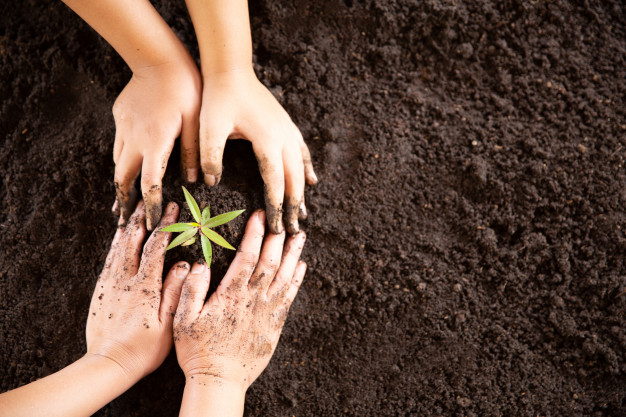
193	206
219	240
177	227
182	238
206	249
206	215
189	242
222	218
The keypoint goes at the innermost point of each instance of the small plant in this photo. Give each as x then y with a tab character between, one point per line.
202	225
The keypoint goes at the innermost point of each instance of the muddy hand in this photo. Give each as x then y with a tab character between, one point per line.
233	335
236	105
131	312
158	104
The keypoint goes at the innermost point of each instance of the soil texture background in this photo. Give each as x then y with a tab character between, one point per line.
466	240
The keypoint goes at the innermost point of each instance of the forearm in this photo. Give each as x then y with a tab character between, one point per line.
80	389
207	396
223	32
134	28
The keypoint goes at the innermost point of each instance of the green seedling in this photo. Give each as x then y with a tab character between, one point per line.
202	225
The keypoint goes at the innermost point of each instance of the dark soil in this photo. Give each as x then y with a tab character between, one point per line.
466	241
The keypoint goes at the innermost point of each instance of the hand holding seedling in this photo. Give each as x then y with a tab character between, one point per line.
223	345
161	101
236	105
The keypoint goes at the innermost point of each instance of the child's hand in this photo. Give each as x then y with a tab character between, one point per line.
159	103
131	312
236	105
230	339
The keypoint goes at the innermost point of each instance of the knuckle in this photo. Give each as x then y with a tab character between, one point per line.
248	260
271	266
150	182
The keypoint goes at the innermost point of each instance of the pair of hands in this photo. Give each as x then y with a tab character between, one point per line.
169	100
133	316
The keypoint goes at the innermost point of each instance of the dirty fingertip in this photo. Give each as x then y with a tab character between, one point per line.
275	219
116	208
293	227
199	267
275	225
171	207
182	270
311	177
302	212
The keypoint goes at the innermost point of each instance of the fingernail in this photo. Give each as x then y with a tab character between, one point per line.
192	175
182	270
314	176
293	227
261	214
149	224
209	180
169	209
116	208
198	267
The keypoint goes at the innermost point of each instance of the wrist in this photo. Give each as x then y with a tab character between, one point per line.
212	395
116	369
234	70
177	60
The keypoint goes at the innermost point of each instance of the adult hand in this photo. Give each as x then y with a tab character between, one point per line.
159	103
235	105
230	339
131	312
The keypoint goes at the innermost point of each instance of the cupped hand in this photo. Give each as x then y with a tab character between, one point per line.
233	335
235	105
159	103
131	311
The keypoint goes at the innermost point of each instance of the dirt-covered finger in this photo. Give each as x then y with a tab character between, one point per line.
269	262
294	186
190	148
247	257
193	293
152	173
271	168
151	267
212	142
126	172
302	211
131	241
288	263
309	172
170	295
115	209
